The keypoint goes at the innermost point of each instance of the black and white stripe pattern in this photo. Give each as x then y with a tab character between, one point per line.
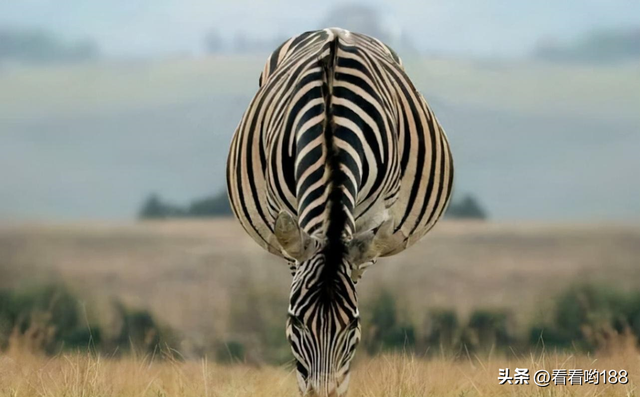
337	161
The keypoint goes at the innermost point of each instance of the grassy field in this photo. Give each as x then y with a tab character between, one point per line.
384	376
189	273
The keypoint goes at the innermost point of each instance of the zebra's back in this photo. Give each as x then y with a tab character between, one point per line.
337	130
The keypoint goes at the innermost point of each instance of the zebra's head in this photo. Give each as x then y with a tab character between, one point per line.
323	325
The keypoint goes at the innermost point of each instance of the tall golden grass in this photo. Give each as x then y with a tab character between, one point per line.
399	375
189	274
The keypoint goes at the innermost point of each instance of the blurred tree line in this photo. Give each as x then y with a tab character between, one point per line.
38	46
154	207
584	318
465	207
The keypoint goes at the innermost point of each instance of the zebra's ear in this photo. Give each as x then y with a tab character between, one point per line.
293	240
369	245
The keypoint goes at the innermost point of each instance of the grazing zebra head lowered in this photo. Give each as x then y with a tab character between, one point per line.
337	161
324	322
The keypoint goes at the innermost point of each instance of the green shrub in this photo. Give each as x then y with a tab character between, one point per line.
50	319
138	331
257	321
488	329
384	331
83	338
587	317
442	330
154	207
42	318
230	352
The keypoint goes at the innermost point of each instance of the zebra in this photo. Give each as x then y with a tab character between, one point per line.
337	161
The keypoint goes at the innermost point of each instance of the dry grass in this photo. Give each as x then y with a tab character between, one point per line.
394	375
189	272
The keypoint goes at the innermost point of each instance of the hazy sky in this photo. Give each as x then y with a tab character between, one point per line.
470	27
102	162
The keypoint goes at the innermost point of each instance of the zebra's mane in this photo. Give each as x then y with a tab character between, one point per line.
336	216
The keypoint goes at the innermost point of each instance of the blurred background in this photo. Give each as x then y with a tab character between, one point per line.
116	118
